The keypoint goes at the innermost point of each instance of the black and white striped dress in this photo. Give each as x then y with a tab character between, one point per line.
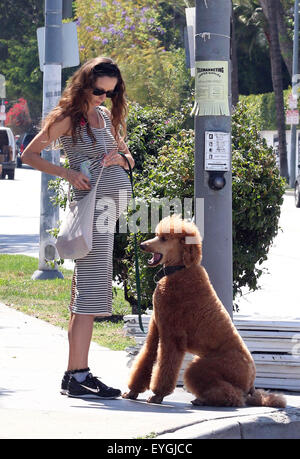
92	279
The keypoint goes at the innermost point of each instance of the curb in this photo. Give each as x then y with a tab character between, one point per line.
278	425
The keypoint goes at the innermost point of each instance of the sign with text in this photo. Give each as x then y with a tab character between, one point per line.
292	117
217	151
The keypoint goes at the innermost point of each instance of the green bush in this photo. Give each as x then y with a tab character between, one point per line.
149	128
263	109
257	196
166	176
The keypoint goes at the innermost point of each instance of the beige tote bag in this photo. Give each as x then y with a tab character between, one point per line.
75	237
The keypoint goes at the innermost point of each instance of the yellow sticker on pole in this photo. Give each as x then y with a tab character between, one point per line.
211	89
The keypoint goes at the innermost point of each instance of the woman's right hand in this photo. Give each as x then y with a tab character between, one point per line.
78	180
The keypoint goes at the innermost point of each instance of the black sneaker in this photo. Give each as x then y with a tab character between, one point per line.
91	387
65	382
66	379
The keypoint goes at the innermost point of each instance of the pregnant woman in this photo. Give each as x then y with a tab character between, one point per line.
91	138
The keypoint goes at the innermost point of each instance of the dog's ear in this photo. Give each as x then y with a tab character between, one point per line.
192	253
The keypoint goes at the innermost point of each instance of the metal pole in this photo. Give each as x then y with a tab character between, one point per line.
292	173
49	215
213	44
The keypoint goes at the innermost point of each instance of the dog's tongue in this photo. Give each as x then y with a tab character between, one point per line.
155	259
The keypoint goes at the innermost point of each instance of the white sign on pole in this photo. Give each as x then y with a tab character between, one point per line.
2	116
292	117
190	14
70	50
217	151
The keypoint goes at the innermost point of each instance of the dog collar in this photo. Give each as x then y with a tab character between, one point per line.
165	271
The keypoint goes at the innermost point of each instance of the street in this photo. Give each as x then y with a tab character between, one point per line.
20	213
279	293
278	297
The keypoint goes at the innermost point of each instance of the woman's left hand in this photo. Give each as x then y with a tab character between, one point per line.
113	159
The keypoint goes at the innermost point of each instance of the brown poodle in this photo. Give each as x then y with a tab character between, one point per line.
189	317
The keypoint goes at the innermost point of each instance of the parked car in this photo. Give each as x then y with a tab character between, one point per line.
297	189
7	153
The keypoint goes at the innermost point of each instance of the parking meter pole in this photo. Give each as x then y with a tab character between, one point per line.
49	214
214	187
292	171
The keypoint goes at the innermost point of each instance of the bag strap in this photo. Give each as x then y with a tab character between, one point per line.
137	273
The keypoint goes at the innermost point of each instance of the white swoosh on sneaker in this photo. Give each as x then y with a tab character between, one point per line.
96	391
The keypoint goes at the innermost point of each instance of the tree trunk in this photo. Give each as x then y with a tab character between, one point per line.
285	42
275	56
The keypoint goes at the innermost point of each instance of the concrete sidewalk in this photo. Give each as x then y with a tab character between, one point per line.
33	359
33	356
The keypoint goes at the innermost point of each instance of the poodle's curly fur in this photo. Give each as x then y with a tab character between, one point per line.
189	317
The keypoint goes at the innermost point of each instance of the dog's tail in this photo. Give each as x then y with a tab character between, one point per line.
259	397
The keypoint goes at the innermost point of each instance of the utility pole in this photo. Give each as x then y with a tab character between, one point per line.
295	85
212	111
49	214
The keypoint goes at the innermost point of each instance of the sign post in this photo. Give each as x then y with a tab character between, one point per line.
58	48
49	214
213	141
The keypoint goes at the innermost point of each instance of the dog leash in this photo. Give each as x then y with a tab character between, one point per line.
137	273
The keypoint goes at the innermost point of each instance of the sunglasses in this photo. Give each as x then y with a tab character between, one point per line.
100	92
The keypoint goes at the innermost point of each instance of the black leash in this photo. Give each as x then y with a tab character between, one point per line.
166	271
137	273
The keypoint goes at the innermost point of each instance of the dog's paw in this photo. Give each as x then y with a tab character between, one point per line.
155	399
132	395
198	402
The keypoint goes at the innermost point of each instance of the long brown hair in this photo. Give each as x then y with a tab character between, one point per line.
74	99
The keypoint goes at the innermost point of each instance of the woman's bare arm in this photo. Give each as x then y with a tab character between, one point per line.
31	155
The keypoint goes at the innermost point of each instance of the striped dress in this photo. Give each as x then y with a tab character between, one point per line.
91	291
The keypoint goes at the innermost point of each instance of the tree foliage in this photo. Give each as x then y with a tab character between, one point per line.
18	117
132	33
254	68
19	53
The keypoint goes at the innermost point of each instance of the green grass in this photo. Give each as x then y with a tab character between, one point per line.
49	299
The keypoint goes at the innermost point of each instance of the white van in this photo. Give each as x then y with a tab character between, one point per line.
7	153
